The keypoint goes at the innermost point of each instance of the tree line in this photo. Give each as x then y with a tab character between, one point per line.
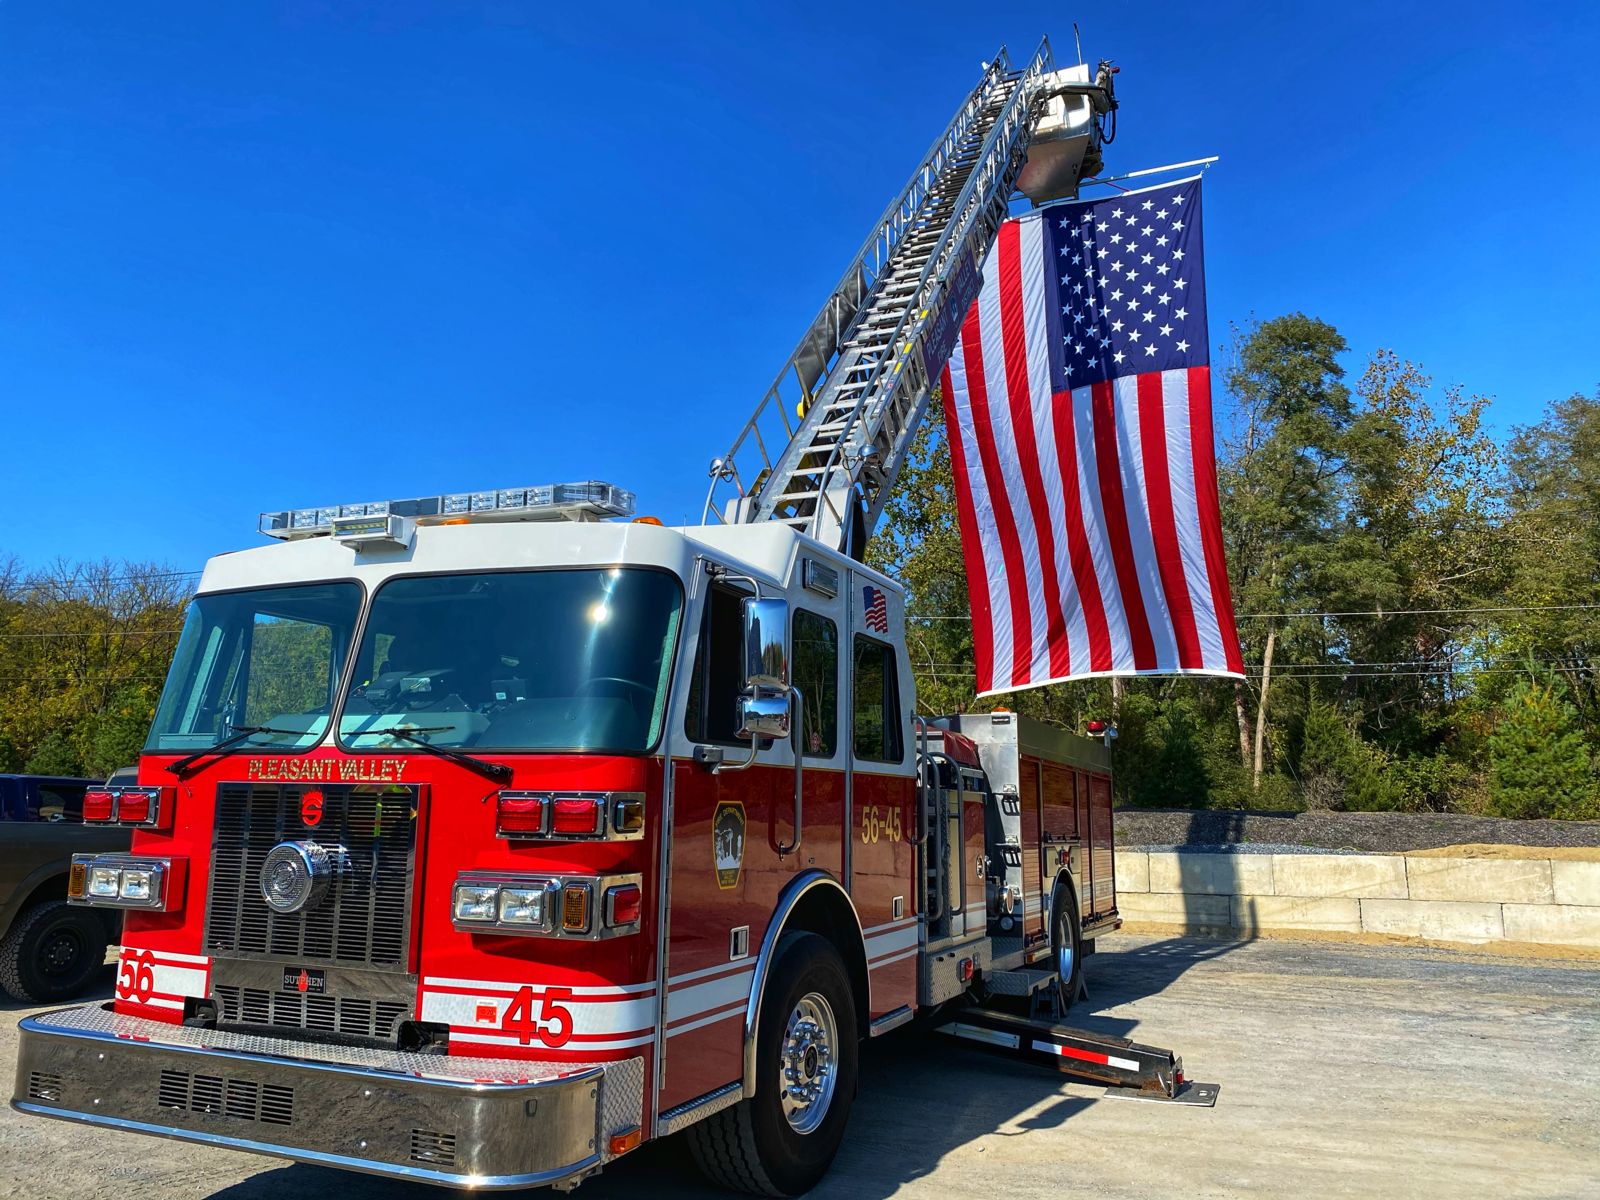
1419	602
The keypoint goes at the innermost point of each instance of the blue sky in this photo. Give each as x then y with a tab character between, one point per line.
277	254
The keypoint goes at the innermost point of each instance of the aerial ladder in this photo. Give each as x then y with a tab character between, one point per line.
825	444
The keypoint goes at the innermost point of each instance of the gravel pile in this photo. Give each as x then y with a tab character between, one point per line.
1280	833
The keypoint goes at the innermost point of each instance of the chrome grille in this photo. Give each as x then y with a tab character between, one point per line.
365	917
241	1099
326	1014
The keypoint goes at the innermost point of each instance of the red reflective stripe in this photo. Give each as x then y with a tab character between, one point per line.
1109	469
1088	584
995	485
971	548
1014	343
1205	490
1163	524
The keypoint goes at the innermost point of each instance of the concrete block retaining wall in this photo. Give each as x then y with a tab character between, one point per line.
1547	902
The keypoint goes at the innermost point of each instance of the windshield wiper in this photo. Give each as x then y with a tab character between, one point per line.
498	772
239	734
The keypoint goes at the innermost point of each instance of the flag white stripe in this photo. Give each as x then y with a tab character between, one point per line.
1136	500
994	570
1015	494
1186	515
1094	522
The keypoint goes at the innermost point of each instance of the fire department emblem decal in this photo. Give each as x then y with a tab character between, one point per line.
727	841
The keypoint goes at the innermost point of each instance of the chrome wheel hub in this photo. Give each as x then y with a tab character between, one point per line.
808	1063
1064	953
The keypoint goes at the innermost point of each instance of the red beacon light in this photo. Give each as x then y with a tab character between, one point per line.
520	814
99	805
576	816
134	808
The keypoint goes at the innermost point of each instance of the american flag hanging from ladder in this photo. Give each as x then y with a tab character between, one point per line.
1078	405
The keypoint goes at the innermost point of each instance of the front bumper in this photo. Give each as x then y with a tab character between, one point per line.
463	1122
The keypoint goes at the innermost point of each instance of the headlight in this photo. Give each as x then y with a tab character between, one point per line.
126	881
524	906
474	902
484	902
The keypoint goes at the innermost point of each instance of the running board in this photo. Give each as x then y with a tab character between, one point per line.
1149	1072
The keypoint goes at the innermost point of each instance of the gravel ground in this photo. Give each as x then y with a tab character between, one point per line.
1322	830
1346	1071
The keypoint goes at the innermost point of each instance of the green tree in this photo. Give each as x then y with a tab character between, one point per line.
1279	484
1539	764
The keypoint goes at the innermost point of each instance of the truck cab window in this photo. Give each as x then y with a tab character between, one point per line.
816	674
713	702
877	703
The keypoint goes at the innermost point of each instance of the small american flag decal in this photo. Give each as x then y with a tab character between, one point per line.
877	605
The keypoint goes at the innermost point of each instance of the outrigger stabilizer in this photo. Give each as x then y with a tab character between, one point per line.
1131	1071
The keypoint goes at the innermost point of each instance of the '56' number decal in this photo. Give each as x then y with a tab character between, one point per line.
552	1025
136	978
881	822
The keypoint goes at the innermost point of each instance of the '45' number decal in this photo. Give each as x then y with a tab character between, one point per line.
136	978
881	822
552	1024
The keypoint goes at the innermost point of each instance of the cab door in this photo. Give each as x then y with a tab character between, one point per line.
729	823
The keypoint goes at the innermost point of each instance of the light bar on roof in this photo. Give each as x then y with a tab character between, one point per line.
591	500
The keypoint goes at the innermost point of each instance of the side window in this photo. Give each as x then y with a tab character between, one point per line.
713	708
59	802
877	703
816	674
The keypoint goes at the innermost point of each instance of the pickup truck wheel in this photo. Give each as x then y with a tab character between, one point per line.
52	952
781	1141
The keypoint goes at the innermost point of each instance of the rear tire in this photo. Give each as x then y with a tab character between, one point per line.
52	952
1066	943
782	1140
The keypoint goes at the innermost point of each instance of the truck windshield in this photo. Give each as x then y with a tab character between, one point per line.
270	657
520	660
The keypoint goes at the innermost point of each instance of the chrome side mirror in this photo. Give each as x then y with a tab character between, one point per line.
766	645
764	717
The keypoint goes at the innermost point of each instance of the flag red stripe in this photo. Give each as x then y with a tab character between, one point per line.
1205	489
1015	342
1094	609
1110	471
1005	523
971	547
1163	522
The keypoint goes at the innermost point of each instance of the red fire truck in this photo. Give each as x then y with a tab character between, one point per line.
481	837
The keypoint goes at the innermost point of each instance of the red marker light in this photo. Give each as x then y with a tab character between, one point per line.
624	905
98	804
575	816
134	808
519	814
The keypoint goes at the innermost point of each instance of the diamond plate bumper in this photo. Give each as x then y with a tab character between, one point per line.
463	1122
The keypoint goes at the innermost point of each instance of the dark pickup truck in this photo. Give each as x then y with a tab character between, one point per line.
48	949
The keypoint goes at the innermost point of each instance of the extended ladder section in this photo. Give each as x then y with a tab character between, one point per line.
823	448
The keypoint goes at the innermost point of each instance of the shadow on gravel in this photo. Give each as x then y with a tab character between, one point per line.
923	1097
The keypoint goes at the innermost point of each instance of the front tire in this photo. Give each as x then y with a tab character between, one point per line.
51	952
1066	943
782	1140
